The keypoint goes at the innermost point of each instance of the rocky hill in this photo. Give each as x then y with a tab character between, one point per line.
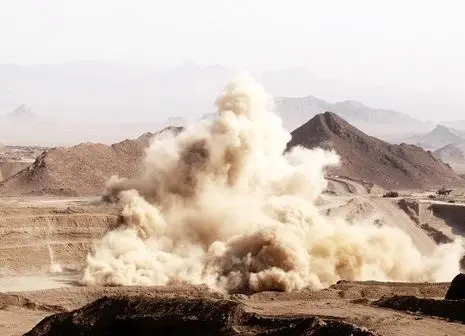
79	170
439	137
452	153
373	160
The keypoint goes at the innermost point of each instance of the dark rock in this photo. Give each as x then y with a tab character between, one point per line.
453	310
456	289
144	315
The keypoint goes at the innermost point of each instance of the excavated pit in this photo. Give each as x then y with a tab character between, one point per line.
35	238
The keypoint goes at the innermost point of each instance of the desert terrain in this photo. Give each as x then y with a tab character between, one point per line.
242	167
188	231
45	241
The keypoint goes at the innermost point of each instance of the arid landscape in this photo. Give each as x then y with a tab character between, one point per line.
231	226
45	241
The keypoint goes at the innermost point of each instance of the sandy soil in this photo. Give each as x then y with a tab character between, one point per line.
37	234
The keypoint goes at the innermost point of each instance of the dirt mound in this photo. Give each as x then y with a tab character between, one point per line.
456	290
450	309
80	170
367	158
149	316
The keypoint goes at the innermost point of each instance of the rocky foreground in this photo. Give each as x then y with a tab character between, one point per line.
347	308
143	315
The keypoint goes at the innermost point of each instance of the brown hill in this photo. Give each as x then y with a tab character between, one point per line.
367	158
81	170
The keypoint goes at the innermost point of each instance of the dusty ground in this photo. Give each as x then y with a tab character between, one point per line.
41	236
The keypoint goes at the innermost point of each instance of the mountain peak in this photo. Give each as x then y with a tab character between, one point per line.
22	112
371	159
327	125
439	137
441	128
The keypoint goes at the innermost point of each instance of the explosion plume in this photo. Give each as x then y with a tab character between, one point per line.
223	204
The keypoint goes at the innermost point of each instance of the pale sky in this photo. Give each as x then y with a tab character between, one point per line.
411	44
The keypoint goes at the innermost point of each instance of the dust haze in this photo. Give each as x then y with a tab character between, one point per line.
221	204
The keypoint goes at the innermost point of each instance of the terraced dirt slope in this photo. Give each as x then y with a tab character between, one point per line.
373	160
34	239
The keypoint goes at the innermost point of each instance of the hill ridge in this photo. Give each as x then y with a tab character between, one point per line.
371	159
80	170
439	137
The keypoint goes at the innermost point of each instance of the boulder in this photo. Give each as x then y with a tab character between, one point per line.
456	289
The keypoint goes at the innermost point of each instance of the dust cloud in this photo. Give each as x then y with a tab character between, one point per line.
54	266
220	204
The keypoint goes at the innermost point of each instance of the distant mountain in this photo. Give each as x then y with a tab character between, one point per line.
371	159
439	137
23	127
22	112
118	92
456	131
457	124
127	92
295	111
110	95
451	153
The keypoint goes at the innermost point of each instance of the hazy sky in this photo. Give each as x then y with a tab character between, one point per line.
411	44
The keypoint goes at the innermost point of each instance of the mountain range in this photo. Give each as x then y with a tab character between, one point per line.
379	122
132	92
83	169
440	136
64	104
447	144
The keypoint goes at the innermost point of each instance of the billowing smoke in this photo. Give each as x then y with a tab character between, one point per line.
220	204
